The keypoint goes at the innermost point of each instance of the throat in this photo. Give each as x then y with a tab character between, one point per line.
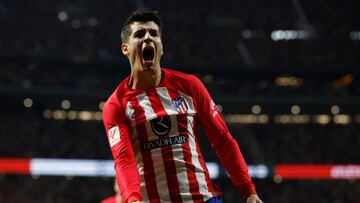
144	81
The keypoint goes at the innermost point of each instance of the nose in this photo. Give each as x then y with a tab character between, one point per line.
147	38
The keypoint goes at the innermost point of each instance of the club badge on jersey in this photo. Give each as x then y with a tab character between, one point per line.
179	104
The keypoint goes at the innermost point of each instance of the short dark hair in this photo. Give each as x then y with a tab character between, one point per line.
139	16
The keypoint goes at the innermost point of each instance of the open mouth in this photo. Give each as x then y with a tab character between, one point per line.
148	53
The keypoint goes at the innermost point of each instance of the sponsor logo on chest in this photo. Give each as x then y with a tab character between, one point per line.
161	126
163	142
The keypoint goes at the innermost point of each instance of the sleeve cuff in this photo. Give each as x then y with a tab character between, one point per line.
247	190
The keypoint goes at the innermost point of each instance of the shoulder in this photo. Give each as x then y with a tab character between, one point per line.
117	94
178	74
113	106
181	77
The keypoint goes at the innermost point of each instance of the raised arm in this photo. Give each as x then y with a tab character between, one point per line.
118	133
223	143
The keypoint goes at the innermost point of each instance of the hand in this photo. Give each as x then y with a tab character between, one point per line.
254	198
137	202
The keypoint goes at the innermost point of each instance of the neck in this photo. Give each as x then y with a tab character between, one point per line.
145	79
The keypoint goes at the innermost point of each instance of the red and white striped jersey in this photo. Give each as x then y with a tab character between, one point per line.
153	138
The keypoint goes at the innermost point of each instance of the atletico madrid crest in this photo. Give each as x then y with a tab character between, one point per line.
179	104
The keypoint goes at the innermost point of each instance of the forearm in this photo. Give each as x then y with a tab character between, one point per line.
128	179
223	143
127	174
231	158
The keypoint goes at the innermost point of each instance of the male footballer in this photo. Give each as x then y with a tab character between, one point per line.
152	119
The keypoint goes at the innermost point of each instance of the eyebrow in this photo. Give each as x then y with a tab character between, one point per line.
149	29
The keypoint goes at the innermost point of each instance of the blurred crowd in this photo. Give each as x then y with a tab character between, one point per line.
202	34
34	136
311	143
29	135
19	189
301	191
51	50
100	78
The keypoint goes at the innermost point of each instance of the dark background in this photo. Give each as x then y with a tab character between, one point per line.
51	51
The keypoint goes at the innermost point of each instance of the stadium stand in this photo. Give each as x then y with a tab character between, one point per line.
69	50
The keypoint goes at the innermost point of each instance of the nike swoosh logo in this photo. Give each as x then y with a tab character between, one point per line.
134	117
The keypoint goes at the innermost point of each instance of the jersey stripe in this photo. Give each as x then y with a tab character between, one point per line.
166	100
136	146
180	164
192	181
159	165
139	160
165	140
167	154
198	162
150	175
178	150
148	161
144	102
174	173
190	168
207	189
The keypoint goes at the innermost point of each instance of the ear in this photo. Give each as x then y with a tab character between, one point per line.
124	48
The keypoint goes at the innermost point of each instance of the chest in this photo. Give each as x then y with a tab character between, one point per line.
159	102
159	113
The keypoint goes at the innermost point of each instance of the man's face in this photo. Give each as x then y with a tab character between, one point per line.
144	47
